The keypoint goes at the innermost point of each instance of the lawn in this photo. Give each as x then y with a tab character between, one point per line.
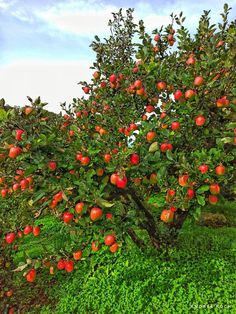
198	275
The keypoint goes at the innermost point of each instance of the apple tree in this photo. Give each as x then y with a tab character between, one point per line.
148	145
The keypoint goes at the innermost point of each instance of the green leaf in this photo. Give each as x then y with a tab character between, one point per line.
201	200
169	155
3	114
145	51
227	140
197	213
38	197
42	140
65	198
2	102
30	170
37	264
104	203
153	147
203	189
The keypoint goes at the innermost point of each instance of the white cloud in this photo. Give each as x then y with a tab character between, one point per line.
54	82
191	10
85	18
22	15
13	8
88	18
5	5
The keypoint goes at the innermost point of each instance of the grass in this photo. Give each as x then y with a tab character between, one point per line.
196	276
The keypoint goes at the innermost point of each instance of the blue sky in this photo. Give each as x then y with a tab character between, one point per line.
44	45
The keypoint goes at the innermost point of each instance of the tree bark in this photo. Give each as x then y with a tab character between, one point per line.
139	242
150	225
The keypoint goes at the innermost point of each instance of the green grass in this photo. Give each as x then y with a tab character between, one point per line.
199	272
226	208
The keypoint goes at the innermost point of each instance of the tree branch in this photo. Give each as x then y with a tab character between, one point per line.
150	221
139	242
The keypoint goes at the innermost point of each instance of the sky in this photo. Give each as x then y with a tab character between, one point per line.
44	44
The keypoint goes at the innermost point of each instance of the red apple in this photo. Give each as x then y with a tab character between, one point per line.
14	152
220	43
16	187
86	89
138	84
190	194
213	199
121	182
28	229
67	217
58	197
114	247
107	158
113	78
31	275
189	94
28	110
52	165
214	188
203	168
161	86
24	184
69	266
165	146
113	178
167	215
4	192
134	159
170	195
77	255
198	80
133	126
30	180
183	180
20	234
191	60
61	264
78	156
178	95
85	160
109	216
222	102
163	115
109	239
149	108
103	84
175	125
79	207
220	170
36	231
150	136
10	237
95	246
19	134
95	213
200	120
